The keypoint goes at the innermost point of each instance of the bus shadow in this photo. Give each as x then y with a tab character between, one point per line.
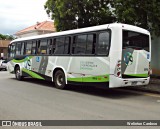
36	81
116	93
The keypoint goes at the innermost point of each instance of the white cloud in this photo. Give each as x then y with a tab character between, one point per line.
19	14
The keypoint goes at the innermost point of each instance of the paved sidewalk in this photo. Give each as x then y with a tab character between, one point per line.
154	86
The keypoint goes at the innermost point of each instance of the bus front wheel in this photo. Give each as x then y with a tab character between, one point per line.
18	74
59	80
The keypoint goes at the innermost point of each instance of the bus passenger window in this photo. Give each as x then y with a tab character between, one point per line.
23	48
43	46
59	45
28	47
9	51
18	48
38	46
34	47
80	44
50	47
67	45
103	43
84	44
12	50
90	47
74	44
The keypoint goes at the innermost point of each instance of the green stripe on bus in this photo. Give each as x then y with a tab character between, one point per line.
32	74
23	60
74	79
102	78
138	75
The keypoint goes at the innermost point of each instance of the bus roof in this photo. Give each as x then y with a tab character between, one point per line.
83	30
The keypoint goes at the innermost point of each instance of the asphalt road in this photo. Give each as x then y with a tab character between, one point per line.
33	99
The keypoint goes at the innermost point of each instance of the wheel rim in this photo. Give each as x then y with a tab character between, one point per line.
18	73
60	80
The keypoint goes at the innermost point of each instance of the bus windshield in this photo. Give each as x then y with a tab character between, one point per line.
135	40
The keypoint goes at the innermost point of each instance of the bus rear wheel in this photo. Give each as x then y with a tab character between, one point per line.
18	74
59	80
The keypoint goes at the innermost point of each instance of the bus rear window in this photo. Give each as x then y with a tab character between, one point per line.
137	41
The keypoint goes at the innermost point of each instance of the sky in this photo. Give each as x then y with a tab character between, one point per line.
16	15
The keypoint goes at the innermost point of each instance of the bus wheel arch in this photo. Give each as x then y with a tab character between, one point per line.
17	72
59	78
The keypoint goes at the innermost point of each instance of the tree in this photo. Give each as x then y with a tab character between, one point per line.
143	13
6	37
71	14
2	37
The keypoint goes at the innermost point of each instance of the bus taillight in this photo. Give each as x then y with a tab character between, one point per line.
149	71
118	69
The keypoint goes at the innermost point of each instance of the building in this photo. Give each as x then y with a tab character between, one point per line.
4	48
155	52
37	29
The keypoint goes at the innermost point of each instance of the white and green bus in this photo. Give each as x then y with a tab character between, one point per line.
111	55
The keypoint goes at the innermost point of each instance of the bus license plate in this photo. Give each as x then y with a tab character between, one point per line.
134	83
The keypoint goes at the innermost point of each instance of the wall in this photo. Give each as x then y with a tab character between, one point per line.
155	61
4	51
33	33
4	48
28	34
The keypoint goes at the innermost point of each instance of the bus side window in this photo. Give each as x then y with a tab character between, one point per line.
34	49
90	46
38	46
103	43
22	49
67	45
43	46
50	46
28	47
54	46
12	50
80	44
18	48
59	45
74	44
9	50
25	45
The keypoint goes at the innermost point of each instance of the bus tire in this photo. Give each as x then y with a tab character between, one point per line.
18	74
59	80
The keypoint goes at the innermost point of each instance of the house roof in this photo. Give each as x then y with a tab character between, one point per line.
40	26
4	43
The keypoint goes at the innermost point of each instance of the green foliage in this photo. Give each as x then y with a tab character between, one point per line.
143	13
6	37
71	14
